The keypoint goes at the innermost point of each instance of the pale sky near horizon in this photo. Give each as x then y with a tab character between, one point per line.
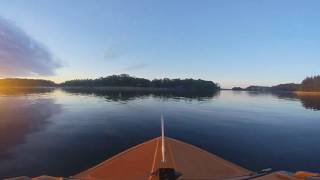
232	42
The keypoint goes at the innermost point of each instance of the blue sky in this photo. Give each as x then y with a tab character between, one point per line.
232	42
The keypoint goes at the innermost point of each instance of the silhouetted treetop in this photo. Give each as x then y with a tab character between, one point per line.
237	89
114	80
308	84
311	84
286	87
125	80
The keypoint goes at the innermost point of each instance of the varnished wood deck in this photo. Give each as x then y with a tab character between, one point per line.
139	162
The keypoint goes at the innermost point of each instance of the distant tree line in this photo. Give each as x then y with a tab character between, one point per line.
125	80
308	84
286	87
237	89
311	84
257	88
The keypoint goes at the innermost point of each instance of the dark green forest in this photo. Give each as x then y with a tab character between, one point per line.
122	80
311	84
125	80
308	84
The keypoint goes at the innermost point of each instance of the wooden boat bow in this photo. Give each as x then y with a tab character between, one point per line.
143	160
164	158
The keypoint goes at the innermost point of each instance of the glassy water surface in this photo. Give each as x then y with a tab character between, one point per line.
62	132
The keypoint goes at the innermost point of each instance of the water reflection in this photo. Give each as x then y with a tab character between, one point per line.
19	118
24	91
123	95
62	132
308	101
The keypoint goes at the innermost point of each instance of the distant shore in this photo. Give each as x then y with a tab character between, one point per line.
123	82
117	88
298	93
106	88
307	93
128	88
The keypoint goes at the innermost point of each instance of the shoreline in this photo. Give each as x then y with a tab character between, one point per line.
127	88
307	93
298	93
110	88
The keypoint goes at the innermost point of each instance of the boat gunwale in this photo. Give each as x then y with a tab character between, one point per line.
116	156
111	159
226	162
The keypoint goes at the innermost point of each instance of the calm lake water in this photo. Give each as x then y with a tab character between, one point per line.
62	132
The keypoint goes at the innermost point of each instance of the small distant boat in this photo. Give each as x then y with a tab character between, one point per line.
164	158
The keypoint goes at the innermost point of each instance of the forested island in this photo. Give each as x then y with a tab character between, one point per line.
309	84
123	80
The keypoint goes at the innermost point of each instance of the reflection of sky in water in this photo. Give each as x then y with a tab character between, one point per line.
21	116
62	133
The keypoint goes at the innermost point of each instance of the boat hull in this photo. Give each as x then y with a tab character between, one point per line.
143	160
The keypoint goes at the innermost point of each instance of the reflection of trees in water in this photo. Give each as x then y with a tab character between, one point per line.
278	94
286	95
20	117
127	95
308	101
24	91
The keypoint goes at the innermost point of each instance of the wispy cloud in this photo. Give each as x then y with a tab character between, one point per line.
114	51
135	67
21	55
111	53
